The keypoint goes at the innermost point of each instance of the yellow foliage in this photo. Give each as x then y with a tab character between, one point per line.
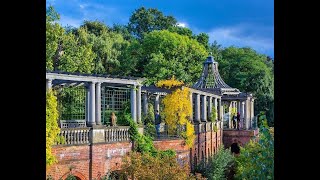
178	109
168	84
52	128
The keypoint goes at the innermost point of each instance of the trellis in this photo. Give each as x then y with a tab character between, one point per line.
113	99
72	103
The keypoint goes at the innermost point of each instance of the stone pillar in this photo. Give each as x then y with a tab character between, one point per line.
239	106
197	108
145	103
139	104
204	108
230	117
242	113
191	102
133	97
48	84
219	110
92	106
87	104
252	112
157	103
210	108
245	114
98	103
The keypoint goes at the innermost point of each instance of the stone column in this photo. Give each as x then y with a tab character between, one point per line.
245	125
230	117
139	104
48	84
219	110
157	103
92	106
210	108
252	112
191	102
197	108
204	108
87	104
133	96
239	106
242	113
98	103
145	103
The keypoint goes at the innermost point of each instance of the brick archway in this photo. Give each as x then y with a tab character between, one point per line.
77	174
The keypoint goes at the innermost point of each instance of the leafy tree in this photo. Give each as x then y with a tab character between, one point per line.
203	39
146	20
123	30
177	109
163	54
256	160
249	71
95	27
52	128
54	33
181	30
77	54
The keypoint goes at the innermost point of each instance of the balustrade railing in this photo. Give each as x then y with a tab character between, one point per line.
75	135
117	133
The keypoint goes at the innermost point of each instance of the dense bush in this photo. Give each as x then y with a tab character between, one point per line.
256	160
218	166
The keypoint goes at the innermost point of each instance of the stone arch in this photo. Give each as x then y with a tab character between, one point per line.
77	174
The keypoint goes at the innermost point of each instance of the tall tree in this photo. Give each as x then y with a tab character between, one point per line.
54	34
77	54
162	54
249	71
146	20
203	39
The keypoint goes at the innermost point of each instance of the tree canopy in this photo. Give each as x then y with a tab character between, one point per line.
146	20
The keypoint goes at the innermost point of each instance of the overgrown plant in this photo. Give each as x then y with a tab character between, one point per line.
147	166
213	116
177	108
218	167
256	160
52	128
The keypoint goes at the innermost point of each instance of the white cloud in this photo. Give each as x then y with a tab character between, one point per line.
82	6
182	24
240	36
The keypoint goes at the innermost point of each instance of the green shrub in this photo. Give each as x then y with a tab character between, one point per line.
218	166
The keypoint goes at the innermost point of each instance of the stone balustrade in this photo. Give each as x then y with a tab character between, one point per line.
75	135
117	133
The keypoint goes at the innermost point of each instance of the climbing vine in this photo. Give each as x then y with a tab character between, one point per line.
52	128
177	109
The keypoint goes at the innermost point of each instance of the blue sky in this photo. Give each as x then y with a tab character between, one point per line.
229	22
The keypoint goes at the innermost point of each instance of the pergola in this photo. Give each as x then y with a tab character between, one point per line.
211	82
202	102
93	85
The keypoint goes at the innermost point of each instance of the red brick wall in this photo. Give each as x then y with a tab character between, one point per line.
77	157
183	152
107	157
240	136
